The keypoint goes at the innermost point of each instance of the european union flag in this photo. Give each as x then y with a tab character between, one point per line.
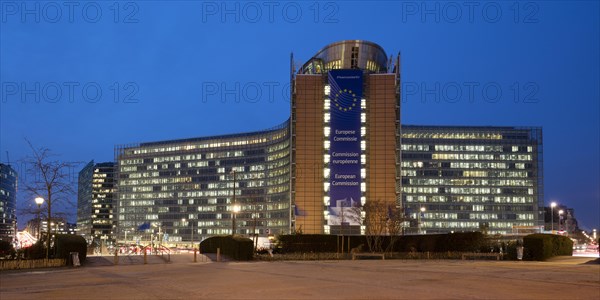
299	212
144	226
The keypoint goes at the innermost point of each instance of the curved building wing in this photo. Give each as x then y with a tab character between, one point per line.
342	148
188	187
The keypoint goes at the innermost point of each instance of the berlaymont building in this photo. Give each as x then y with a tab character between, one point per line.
342	147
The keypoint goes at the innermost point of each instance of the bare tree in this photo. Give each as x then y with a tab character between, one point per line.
380	219
49	180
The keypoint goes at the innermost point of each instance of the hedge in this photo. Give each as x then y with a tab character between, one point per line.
36	251
321	243
6	249
541	246
307	243
237	248
67	243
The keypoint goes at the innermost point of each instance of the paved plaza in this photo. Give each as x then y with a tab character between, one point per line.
562	278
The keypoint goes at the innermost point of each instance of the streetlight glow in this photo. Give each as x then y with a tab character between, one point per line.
235	209
39	201
422	209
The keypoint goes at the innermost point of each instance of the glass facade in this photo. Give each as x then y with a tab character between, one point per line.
351	54
444	178
186	186
95	215
471	178
8	203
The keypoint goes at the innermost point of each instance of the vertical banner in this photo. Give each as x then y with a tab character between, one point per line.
344	163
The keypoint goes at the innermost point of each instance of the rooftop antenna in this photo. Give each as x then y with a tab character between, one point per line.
7	159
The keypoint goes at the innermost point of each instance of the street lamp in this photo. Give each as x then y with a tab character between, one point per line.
560	218
39	201
126	231
159	225
419	219
236	209
552	205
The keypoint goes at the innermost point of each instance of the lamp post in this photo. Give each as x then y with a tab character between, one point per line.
235	208
39	201
422	211
159	225
126	236
552	205
560	218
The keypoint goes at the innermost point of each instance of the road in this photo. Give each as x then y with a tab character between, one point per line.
561	278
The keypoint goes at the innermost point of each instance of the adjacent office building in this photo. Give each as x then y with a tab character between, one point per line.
342	147
58	225
8	203
95	213
458	178
189	188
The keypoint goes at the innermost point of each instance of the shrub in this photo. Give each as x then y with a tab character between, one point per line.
453	242
6	249
237	248
320	243
304	243
511	250
562	245
317	243
428	243
36	251
66	243
464	241
543	246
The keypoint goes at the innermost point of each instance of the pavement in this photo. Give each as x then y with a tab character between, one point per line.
559	278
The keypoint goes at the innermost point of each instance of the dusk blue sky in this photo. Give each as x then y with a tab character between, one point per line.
162	56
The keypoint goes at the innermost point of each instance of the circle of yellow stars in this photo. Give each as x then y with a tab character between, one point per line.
338	100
